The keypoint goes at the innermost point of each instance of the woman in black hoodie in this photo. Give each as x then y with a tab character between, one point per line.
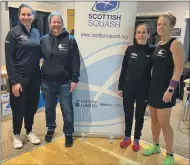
60	72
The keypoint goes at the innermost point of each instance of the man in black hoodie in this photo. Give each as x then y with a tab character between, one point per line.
60	71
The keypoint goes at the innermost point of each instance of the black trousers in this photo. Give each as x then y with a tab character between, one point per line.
134	92
25	106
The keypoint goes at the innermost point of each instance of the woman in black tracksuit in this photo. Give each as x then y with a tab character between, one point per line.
22	54
134	83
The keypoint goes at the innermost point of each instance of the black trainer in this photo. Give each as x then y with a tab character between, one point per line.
68	141
49	136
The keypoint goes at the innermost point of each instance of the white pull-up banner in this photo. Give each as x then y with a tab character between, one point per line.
103	29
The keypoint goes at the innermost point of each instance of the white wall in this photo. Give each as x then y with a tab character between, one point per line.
0	37
177	8
62	8
38	6
4	29
0	43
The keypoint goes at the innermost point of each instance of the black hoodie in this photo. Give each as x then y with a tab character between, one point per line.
61	57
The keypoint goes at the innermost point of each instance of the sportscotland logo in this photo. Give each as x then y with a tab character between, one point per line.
105	6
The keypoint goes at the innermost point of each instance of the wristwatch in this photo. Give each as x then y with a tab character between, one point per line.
170	90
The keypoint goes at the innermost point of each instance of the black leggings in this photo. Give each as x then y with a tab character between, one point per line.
132	93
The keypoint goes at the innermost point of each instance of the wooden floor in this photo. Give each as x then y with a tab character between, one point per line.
93	151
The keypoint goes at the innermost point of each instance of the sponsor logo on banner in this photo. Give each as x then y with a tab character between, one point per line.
94	104
110	105
86	103
102	16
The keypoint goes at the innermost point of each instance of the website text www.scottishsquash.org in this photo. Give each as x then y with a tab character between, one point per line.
103	35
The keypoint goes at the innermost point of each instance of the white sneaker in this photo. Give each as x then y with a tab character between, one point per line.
32	138
17	142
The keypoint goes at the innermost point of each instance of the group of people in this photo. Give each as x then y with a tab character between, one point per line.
57	77
149	76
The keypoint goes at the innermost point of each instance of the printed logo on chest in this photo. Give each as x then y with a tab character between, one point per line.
62	47
162	53
22	38
134	55
148	55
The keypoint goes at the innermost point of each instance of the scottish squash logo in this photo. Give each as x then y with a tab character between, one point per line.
105	6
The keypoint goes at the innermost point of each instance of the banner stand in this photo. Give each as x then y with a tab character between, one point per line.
84	135
103	29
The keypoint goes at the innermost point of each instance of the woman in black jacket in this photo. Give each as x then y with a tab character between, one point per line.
22	54
134	83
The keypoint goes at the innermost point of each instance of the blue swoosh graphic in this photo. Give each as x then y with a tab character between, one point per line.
103	59
108	46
